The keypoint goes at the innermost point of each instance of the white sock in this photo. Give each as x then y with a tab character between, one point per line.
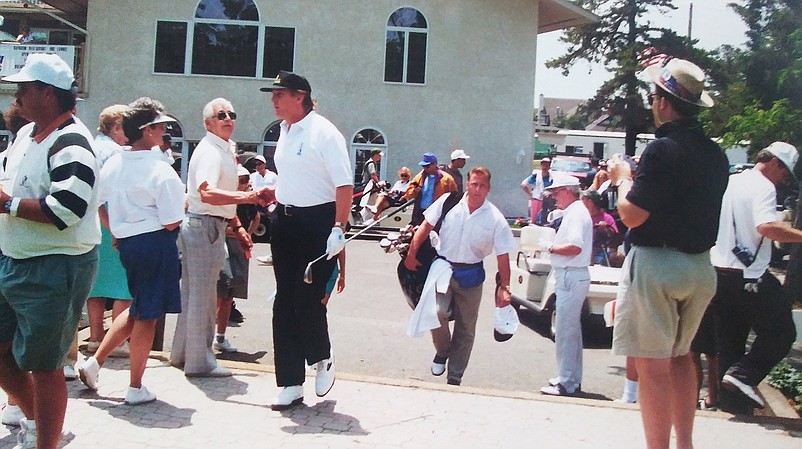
630	391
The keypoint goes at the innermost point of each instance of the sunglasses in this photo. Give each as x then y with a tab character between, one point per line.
222	115
405	176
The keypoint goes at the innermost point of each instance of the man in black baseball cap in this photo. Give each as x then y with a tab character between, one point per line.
289	80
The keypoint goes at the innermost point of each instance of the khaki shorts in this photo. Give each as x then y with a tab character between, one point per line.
661	299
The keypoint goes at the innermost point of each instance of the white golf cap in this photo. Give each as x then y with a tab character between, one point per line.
562	180
161	118
459	154
786	153
242	171
47	68
259	158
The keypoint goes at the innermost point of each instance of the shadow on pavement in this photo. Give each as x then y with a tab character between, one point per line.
321	418
164	415
242	356
220	388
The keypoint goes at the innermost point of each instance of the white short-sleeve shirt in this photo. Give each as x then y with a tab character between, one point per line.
749	201
312	161
259	182
213	162
143	193
467	237
576	229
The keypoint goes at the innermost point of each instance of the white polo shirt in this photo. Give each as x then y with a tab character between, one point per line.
312	161
213	162
259	182
750	201
142	191
467	237
576	229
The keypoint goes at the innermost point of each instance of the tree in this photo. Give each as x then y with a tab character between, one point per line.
617	40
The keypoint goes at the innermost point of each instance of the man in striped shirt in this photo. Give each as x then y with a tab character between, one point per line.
49	230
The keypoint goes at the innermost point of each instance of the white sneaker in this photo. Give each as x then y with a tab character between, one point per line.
141	395
324	379
121	351
12	415
89	371
439	365
288	397
26	438
91	346
265	260
224	346
69	372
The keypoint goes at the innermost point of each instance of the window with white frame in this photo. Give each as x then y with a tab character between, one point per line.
364	141
405	47
224	38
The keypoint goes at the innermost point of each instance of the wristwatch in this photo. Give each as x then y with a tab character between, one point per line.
339	224
12	206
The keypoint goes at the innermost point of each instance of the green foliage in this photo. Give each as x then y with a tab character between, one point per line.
621	34
761	126
788	380
573	121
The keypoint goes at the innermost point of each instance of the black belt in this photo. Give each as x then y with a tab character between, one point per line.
193	214
289	210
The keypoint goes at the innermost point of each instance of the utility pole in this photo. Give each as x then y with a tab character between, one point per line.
690	25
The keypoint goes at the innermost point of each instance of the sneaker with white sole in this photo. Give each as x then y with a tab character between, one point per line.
288	397
324	379
92	346
141	395
734	384
12	415
26	438
265	260
557	390
69	372
89	372
224	346
121	351
439	365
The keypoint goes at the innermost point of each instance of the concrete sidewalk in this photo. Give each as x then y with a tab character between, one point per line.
366	412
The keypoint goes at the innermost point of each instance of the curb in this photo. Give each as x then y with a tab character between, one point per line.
777	412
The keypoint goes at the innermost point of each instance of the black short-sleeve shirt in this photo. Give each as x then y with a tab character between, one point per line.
680	181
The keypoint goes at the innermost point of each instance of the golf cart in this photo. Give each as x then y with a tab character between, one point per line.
362	212
532	281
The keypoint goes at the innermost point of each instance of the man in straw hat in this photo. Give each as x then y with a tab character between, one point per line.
672	210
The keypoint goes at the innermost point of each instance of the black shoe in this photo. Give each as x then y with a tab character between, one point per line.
236	315
739	386
456	382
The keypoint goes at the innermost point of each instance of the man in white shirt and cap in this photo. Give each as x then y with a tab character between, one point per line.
458	160
570	253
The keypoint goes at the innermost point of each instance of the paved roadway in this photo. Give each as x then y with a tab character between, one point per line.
368	323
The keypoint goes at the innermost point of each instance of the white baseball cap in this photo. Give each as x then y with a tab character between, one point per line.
786	153
242	171
47	68
459	154
562	180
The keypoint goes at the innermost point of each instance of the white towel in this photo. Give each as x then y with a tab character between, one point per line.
424	317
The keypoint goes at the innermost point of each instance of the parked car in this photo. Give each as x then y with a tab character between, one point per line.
532	282
579	166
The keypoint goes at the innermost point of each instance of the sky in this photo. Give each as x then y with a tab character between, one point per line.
714	24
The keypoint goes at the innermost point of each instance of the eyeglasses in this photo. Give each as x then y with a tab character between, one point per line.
222	115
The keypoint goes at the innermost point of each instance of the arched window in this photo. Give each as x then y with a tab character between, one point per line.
268	146
405	47
364	141
225	38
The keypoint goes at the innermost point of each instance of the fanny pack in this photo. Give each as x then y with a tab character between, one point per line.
469	276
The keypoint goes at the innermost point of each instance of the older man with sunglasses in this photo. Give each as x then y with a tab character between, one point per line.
212	198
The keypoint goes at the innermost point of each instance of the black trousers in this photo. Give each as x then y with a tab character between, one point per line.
300	327
767	312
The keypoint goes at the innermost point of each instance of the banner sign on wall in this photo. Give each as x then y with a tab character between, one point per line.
12	56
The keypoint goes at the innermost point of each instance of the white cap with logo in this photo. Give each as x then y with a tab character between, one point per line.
459	154
786	153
